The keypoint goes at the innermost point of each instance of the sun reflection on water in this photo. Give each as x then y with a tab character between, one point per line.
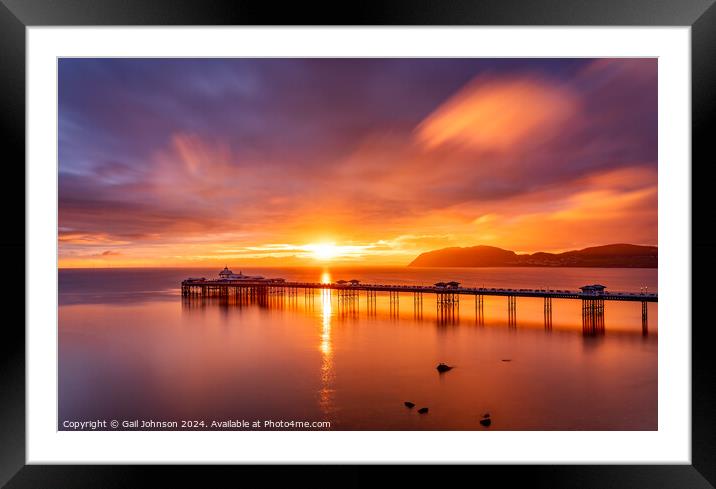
326	314
326	393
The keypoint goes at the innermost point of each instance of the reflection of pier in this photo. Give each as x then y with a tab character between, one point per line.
270	292
265	301
448	314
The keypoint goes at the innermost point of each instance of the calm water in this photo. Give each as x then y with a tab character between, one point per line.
131	348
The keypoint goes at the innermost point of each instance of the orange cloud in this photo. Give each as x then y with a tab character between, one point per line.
495	113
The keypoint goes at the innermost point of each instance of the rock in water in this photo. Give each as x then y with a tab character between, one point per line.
486	415
409	404
423	410
485	422
443	368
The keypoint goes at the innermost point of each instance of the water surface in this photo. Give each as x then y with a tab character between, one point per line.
131	348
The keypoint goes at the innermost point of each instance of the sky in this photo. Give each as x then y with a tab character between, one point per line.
277	162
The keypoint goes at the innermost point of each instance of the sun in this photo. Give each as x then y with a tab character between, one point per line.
324	251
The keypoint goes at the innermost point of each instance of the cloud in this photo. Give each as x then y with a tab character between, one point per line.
496	113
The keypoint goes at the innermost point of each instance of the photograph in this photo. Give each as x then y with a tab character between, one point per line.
357	244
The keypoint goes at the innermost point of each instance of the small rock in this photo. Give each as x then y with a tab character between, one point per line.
409	404
443	368
486	415
423	410
485	422
506	359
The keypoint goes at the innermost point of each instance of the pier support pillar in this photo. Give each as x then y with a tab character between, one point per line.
448	307
309	297
371	302
347	301
512	310
480	309
418	305
593	316
394	299
547	313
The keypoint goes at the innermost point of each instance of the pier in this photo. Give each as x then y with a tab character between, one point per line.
225	287
447	297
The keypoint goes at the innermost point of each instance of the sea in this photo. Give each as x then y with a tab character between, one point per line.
133	350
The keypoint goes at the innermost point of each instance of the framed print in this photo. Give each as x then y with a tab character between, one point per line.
455	236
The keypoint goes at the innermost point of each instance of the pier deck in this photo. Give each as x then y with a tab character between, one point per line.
429	289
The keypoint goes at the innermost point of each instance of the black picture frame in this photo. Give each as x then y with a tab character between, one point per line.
16	15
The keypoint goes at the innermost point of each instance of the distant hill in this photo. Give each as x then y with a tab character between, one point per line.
607	256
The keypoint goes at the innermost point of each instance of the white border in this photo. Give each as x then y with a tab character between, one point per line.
670	444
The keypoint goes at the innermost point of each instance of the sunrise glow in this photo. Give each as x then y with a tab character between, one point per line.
324	251
252	161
